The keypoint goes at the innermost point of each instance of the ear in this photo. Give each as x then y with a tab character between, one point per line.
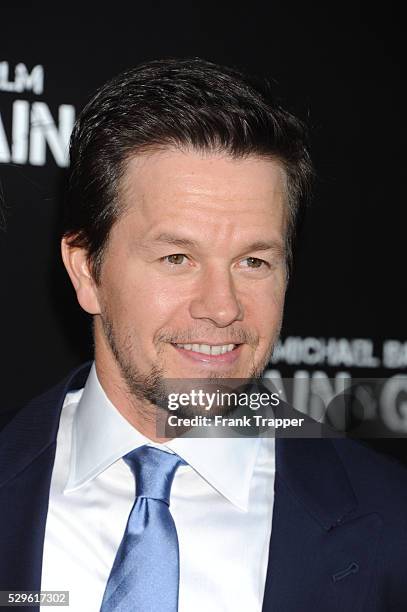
77	266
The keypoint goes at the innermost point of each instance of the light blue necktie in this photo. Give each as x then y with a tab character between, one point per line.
145	572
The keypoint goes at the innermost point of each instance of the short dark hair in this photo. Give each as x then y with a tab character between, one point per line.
187	103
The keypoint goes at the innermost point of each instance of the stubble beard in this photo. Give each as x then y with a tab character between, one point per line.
149	391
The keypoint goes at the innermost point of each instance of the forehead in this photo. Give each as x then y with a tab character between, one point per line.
202	189
158	176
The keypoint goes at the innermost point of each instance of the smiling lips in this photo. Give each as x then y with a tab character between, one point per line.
209	353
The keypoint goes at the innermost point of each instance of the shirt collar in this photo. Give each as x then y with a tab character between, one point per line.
101	436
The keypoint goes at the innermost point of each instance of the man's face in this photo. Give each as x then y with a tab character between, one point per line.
194	275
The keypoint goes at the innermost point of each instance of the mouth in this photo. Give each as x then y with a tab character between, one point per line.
209	353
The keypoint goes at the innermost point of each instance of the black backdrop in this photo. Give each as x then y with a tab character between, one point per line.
336	65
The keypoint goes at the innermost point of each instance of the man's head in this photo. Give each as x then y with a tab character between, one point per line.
185	185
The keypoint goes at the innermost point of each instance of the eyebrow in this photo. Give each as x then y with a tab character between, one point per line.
258	245
176	240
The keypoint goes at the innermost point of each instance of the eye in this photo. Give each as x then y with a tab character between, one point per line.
176	259
255	262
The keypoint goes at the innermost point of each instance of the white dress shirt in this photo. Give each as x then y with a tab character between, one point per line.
221	502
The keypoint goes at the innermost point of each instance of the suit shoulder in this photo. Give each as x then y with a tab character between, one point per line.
43	403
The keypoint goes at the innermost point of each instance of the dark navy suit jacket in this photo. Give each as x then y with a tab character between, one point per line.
339	528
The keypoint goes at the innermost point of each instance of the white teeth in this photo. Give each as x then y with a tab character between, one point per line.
216	350
208	349
203	348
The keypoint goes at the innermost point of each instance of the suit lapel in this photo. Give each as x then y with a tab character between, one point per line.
27	453
321	550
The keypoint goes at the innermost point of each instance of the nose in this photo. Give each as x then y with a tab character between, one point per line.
216	299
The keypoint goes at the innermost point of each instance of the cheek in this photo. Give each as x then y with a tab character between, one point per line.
264	309
270	290
146	303
167	298
276	294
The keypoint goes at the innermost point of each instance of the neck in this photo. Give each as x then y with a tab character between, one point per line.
142	415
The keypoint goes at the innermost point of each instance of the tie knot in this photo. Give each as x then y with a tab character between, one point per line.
154	471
